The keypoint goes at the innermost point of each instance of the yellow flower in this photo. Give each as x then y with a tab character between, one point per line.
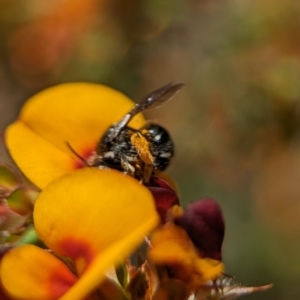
77	114
172	247
94	217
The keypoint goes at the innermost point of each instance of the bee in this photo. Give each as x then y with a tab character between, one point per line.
138	152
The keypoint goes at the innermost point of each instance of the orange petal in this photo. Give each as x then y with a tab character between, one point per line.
172	247
169	237
41	162
74	113
96	217
30	273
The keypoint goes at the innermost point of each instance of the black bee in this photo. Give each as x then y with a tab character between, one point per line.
138	152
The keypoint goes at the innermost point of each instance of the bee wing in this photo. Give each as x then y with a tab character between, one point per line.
154	99
159	96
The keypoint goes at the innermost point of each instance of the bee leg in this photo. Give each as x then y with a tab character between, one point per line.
95	161
127	167
216	287
141	146
148	169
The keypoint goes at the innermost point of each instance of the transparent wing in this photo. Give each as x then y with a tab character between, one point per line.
154	99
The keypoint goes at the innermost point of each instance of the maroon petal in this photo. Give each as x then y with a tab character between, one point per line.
164	197
204	223
158	182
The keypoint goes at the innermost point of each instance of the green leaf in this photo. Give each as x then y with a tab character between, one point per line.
122	275
29	237
20	202
9	180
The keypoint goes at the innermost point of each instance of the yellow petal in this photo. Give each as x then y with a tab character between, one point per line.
210	269
169	237
41	162
172	247
30	273
96	217
74	113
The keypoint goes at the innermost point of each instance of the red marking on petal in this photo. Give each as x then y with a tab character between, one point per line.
60	281
78	164
77	249
85	155
2	294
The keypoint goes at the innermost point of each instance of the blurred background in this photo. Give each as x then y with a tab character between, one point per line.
235	124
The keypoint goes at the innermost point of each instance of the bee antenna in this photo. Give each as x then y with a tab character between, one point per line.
76	154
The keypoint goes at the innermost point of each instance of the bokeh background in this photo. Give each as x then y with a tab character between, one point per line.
235	124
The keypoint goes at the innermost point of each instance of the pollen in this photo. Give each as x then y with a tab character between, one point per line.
142	148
